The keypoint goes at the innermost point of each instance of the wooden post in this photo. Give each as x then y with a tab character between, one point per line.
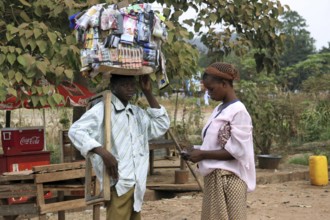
60	198
105	194
41	199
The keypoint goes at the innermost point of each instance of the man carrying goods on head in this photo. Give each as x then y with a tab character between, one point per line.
131	128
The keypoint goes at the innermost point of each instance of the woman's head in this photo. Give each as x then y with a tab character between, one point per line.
218	80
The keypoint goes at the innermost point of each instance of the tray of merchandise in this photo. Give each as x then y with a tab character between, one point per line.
121	39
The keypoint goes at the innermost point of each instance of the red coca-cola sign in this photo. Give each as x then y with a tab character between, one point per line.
18	140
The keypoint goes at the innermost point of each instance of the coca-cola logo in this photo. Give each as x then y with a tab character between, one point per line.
30	140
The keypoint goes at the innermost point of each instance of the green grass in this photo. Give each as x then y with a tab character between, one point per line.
301	160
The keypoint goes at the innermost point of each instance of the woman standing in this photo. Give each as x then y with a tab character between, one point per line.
226	156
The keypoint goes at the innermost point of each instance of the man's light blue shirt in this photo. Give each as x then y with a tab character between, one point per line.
131	129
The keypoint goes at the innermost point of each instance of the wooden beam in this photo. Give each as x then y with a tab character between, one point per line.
107	143
96	212
164	167
63	188
19	209
105	195
59	167
57	176
64	205
161	144
15	178
174	187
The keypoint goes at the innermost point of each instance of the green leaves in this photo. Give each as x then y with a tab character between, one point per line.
18	77
21	60
68	73
177	14
52	37
12	91
42	45
25	3
58	98
2	58
42	66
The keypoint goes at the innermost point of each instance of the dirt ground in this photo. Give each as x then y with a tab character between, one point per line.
274	198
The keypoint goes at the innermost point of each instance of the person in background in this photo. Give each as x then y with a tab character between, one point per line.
206	98
226	156
131	128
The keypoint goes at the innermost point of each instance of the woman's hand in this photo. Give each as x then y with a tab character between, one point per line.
195	155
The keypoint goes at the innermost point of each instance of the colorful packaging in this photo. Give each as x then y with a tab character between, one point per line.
125	37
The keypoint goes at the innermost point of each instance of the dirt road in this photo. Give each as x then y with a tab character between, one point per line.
274	198
294	200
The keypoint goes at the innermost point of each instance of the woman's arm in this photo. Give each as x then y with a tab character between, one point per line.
197	155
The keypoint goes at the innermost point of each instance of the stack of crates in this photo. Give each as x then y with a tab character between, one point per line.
23	148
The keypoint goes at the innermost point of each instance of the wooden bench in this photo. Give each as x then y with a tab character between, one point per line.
56	178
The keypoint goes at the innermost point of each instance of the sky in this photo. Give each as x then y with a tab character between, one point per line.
315	12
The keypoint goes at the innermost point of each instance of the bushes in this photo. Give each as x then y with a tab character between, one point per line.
315	121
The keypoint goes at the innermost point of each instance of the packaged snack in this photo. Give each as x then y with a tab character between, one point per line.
162	79
129	25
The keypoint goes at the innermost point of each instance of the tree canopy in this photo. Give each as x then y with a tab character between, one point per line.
299	44
36	42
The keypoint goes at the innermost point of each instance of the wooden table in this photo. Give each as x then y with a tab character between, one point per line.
58	179
161	144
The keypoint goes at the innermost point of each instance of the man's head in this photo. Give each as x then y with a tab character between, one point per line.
124	87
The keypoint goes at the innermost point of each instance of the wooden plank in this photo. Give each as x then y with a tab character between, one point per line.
88	177
40	194
60	197
4	195
64	188
64	205
161	144
64	175
105	195
18	186
164	167
59	167
18	173
174	187
16	178
107	142
18	209
96	212
17	190
95	200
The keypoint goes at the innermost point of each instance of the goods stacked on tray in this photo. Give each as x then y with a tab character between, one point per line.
123	40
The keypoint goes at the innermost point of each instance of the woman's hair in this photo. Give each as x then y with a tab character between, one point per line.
221	71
